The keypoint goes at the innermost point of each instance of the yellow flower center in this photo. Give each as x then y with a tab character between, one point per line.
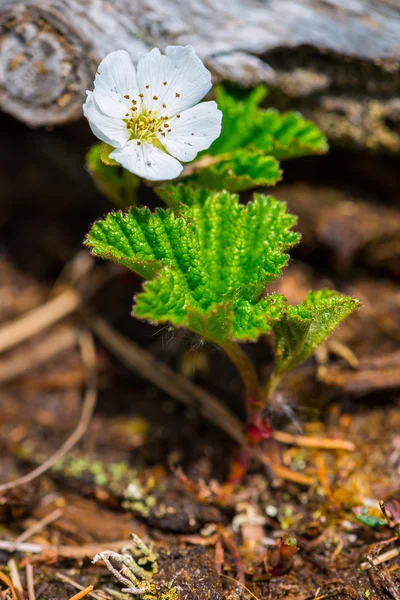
146	125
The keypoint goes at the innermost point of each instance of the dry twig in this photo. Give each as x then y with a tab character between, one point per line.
42	352
73	552
83	593
16	580
9	584
319	443
29	582
28	533
88	354
384	557
98	595
38	319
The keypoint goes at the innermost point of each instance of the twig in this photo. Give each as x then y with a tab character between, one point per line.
384	578
98	595
74	552
312	442
88	353
28	533
174	384
11	546
43	351
9	584
38	319
83	593
15	578
285	473
61	305
384	557
29	582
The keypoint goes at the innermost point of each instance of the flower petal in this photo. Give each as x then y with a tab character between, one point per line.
173	82
147	161
108	129
115	85
193	131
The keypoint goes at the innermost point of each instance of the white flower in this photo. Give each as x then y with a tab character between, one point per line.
150	114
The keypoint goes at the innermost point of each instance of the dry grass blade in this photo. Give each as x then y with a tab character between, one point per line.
73	552
43	351
88	353
28	533
38	319
319	443
9	584
285	473
82	590
16	580
82	593
29	582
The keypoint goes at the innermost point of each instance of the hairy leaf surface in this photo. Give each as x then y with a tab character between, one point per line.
245	125
252	141
301	329
240	170
207	264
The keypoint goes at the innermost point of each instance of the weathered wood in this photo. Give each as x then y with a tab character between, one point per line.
335	59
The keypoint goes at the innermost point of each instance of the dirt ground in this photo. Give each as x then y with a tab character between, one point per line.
155	454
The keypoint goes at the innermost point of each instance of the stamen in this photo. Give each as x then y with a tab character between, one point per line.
155	97
165	82
164	106
139	143
177	95
178	116
141	95
147	86
127	97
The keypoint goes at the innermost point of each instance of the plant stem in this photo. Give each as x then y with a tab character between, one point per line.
269	388
257	396
247	373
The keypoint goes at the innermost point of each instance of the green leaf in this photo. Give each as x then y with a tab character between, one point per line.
245	125
371	521
114	182
208	264
367	517
301	329
240	170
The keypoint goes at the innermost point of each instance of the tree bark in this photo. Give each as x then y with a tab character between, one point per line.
336	60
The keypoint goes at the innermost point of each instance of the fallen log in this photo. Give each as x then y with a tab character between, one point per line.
336	60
